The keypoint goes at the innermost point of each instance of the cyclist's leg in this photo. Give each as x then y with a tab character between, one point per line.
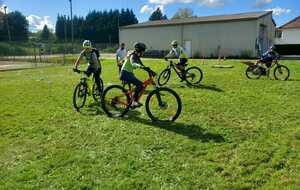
130	78
89	70
97	78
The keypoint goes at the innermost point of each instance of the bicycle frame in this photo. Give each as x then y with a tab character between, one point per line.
173	66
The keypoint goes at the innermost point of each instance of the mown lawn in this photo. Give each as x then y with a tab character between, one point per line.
233	133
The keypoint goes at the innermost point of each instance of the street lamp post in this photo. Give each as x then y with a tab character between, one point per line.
72	26
7	25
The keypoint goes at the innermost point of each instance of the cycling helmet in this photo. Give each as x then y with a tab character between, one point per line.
140	47
87	44
174	43
272	47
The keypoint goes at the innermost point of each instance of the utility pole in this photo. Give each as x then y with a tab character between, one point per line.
72	25
7	25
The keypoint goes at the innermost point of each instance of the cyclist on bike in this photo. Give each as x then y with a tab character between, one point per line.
132	62
92	56
178	52
268	57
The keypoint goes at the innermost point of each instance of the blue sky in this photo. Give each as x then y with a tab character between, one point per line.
40	12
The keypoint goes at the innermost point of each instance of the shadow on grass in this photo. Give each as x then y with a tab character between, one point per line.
192	131
199	86
92	109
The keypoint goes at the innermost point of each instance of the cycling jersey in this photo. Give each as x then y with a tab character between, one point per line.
132	62
178	53
90	56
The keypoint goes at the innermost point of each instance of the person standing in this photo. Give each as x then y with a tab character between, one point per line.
121	55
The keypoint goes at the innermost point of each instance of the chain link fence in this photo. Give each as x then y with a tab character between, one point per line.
46	52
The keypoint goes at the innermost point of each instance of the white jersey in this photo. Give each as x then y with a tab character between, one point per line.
121	54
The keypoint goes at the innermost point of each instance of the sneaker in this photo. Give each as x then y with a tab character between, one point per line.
135	104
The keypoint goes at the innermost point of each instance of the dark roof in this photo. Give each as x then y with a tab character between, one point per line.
205	19
295	23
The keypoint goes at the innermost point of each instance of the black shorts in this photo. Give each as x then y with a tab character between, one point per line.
182	61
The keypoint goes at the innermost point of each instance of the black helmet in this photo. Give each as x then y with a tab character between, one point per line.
140	47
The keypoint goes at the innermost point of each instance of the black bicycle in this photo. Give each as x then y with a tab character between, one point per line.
256	71
82	90
192	75
162	104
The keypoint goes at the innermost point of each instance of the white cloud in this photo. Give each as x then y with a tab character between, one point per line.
207	3
146	9
2	9
279	11
149	10
262	3
37	23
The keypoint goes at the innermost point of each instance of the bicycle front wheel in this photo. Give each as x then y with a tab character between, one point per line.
164	77
163	105
97	93
79	96
193	75
281	72
115	101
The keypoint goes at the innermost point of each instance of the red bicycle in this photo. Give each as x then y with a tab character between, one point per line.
162	104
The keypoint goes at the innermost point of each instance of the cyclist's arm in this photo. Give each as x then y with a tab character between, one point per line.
136	62
170	54
78	60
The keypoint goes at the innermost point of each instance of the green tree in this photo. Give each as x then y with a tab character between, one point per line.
183	13
45	34
18	26
157	15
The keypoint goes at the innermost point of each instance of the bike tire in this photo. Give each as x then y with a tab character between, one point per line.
80	92
188	72
277	69
109	104
162	92
250	70
164	77
98	96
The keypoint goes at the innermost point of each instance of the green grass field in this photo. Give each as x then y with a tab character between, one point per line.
233	133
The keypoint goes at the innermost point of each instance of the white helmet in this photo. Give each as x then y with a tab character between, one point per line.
87	44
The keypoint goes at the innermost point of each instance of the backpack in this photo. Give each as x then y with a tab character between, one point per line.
96	51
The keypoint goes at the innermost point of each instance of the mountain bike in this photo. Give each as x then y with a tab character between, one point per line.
281	72
162	104
82	90
192	75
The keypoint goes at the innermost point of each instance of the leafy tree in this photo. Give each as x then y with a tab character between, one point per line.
45	34
157	15
18	26
183	13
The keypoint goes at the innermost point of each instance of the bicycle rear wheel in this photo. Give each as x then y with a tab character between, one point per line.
253	72
79	96
281	72
164	77
115	101
163	105
97	93
193	75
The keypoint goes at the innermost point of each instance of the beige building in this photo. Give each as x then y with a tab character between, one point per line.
226	35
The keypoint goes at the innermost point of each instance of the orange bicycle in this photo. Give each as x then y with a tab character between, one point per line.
162	104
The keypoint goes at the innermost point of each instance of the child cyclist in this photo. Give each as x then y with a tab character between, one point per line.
92	56
178	52
268	57
132	62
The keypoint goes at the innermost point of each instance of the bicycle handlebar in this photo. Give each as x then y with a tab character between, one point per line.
149	71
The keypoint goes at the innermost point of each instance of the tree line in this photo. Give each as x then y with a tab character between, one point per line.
98	26
18	27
